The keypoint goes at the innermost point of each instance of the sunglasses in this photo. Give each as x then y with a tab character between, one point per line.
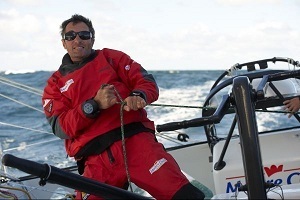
84	35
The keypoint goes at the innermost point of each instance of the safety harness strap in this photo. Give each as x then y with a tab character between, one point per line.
101	142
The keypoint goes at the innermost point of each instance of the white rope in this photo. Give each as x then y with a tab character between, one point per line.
30	91
33	144
20	86
49	173
19	102
22	127
24	88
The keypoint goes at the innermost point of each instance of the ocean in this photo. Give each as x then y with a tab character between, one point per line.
24	131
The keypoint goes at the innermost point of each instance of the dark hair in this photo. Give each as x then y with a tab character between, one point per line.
76	19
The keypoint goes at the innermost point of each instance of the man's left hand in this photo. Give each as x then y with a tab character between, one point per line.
134	103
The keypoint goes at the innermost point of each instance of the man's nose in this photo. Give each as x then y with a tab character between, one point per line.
77	38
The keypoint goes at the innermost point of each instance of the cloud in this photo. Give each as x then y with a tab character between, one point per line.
14	29
29	41
201	39
246	2
199	45
15	24
265	40
24	2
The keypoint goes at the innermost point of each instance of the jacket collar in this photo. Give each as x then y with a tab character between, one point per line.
68	66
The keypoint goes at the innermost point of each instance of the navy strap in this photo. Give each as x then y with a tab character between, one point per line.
101	142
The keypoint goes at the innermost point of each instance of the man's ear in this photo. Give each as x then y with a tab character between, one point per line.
64	43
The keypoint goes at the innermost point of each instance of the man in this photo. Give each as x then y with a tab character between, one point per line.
84	102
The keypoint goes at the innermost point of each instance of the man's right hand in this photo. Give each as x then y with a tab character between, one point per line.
106	97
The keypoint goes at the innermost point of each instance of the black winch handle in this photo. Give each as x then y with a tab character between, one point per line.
68	179
213	119
172	126
26	166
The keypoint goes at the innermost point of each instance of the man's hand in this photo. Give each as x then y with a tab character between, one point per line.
106	97
292	106
134	103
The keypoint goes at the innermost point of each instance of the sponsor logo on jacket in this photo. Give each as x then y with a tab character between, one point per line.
48	105
66	86
157	165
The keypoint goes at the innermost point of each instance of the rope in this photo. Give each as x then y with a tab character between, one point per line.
7	195
11	195
22	127
169	138
277	111
123	103
19	102
21	86
180	106
30	145
30	188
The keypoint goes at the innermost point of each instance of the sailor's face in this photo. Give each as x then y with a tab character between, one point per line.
78	48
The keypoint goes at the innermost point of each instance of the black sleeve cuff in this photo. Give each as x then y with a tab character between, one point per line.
140	94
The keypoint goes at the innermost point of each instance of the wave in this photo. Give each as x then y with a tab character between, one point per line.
21	71
31	71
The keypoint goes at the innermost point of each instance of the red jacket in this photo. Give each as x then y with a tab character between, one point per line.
69	87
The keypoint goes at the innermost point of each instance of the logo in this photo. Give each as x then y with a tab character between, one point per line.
127	67
48	105
157	165
285	176
273	169
66	86
84	195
